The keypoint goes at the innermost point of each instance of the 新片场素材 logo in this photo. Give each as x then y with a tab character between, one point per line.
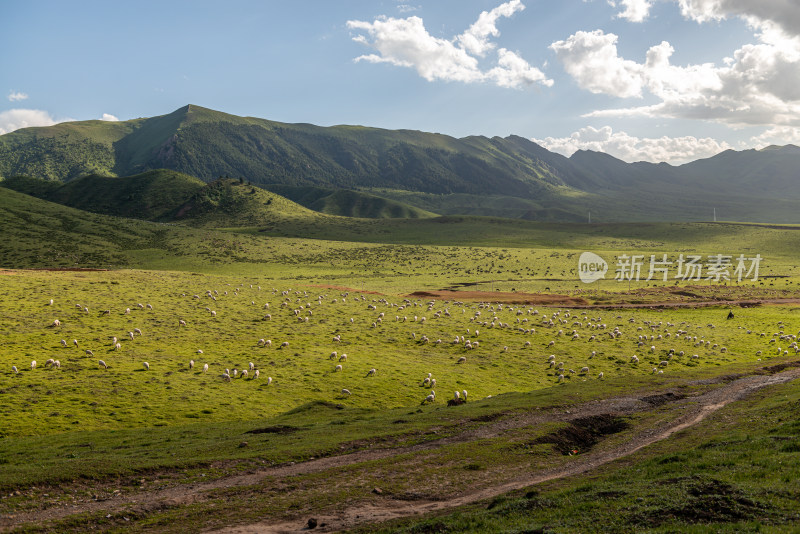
720	268
591	267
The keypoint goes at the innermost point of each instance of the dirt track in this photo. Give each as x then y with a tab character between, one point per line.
694	410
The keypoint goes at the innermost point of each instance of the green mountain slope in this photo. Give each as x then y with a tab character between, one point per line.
153	195
231	203
38	233
496	176
349	203
208	144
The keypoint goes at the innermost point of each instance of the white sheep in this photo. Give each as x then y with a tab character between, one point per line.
181	322
14	369
462	359
63	342
118	346
284	344
57	364
137	331
430	398
269	380
584	370
56	323
251	365
343	358
372	372
88	352
337	368
346	392
146	366
256	373
102	364
205	367
433	382
244	373
75	342
191	364
601	375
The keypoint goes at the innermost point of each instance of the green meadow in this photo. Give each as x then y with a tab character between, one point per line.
82	433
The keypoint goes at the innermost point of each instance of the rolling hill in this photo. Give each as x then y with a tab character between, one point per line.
348	203
476	175
164	196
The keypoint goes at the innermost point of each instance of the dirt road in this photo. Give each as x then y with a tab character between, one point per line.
692	411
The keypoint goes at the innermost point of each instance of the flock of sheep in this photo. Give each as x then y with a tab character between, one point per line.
564	344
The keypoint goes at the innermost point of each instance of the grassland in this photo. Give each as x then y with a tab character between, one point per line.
100	439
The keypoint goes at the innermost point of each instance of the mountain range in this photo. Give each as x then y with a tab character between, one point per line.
362	171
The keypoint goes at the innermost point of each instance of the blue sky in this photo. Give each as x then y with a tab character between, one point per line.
658	80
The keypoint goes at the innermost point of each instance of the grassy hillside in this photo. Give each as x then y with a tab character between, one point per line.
293	243
153	195
349	203
228	202
64	151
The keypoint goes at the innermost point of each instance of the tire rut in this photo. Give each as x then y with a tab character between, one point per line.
695	408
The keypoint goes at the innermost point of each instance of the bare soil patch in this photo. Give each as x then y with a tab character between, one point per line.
663	398
583	433
502	296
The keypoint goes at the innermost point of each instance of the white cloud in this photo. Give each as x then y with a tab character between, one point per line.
635	10
674	150
406	8
759	85
15	119
591	58
109	117
16	96
476	39
783	13
513	71
778	135
407	43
